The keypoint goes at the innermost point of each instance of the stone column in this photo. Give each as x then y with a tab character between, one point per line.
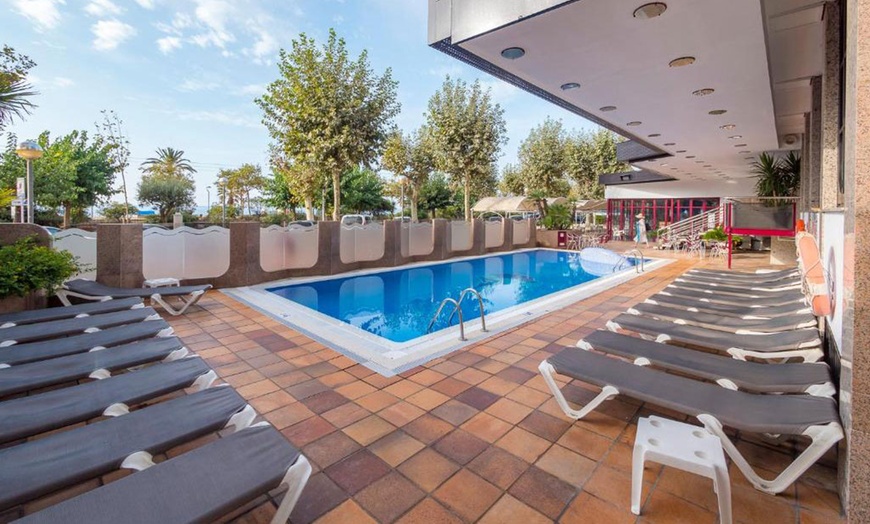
815	145
804	204
830	110
119	255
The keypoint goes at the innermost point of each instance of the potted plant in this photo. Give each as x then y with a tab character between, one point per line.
558	218
29	272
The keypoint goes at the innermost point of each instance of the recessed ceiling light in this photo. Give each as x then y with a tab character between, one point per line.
670	143
704	92
682	61
739	145
735	137
512	53
653	135
699	161
691	156
745	152
707	165
650	10
717	112
749	158
664	164
634	123
681	150
728	126
569	86
673	169
606	109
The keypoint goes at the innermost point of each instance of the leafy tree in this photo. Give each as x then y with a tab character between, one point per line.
589	155
239	184
168	193
326	111
169	162
435	194
542	158
117	211
277	194
110	131
512	182
413	158
302	180
468	129
14	89
363	191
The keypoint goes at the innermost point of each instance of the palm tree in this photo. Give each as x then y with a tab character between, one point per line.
14	101
168	162
777	177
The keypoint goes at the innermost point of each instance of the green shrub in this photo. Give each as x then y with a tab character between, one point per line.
26	266
718	234
558	217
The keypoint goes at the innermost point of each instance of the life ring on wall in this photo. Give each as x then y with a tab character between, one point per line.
815	286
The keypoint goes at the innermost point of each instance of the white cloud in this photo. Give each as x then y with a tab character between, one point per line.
265	45
501	91
219	117
198	85
102	8
147	4
44	14
58	82
214	15
251	90
62	81
337	19
111	33
168	43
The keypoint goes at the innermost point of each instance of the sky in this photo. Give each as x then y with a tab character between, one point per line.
184	73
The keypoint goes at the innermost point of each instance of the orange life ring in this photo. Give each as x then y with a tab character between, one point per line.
813	273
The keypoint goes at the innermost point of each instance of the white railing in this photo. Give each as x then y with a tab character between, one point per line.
522	231
83	246
293	247
417	239
493	233
696	225
185	252
361	243
461	235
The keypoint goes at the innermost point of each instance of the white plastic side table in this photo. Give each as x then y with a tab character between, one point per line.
162	282
683	446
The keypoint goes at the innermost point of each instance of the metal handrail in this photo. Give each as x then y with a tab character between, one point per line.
638	269
474	292
444	302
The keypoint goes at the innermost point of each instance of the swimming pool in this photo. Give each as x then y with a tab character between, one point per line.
381	318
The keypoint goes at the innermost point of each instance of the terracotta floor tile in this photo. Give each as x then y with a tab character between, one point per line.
272	401
450	386
491	366
448	368
454	412
427	399
523	444
509	411
325	401
377	401
345	415
460	446
515	374
355	390
611	485
751	505
486	427
369	429
288	415
290	379
428	429
693	488
348	511
427	377
586	509
403	389
307	431
429	512
389	497
471	376
662	507
573	468
585	442
498	386
545	426
320	495
307	389
509	510
543	492
400	413
355	472
477	398
619	458
499	467
337	379
468	495
466	358
396	447
330	449
428	469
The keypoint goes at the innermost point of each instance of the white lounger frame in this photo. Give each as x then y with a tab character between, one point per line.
186	300
823	437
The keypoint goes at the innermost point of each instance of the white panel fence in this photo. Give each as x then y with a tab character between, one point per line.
522	232
83	245
185	252
292	247
418	239
361	243
461	235
494	233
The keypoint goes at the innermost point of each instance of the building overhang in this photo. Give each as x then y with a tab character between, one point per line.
633	177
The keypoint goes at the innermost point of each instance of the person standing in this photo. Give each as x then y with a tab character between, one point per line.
640	231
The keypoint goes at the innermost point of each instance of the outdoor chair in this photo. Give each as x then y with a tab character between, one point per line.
781	285
74	326
707	295
713	406
198	486
756	377
61	313
738	291
90	290
735	310
801	343
732	276
719	322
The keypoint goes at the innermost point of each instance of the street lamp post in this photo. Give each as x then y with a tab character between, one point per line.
29	150
223	182
208	202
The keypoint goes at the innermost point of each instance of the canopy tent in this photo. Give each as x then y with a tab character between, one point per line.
505	205
590	206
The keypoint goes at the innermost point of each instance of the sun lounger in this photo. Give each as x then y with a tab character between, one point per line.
720	298
732	276
802	343
731	292
60	313
36	468
94	364
743	287
46	349
747	310
74	326
810	378
90	290
715	407
34	414
724	323
198	486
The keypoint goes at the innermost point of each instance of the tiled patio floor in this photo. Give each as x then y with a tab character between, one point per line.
473	436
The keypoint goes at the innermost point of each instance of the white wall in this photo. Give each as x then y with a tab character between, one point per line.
684	189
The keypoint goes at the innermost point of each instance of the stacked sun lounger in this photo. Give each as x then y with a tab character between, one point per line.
733	350
87	391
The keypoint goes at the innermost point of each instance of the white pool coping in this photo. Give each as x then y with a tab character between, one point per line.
391	358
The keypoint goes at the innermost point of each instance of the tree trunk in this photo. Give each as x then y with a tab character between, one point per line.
415	195
309	208
467	202
67	211
336	196
126	202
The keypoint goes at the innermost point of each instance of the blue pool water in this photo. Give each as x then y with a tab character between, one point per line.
398	304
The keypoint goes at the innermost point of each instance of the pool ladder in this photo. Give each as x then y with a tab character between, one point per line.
636	253
457	309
